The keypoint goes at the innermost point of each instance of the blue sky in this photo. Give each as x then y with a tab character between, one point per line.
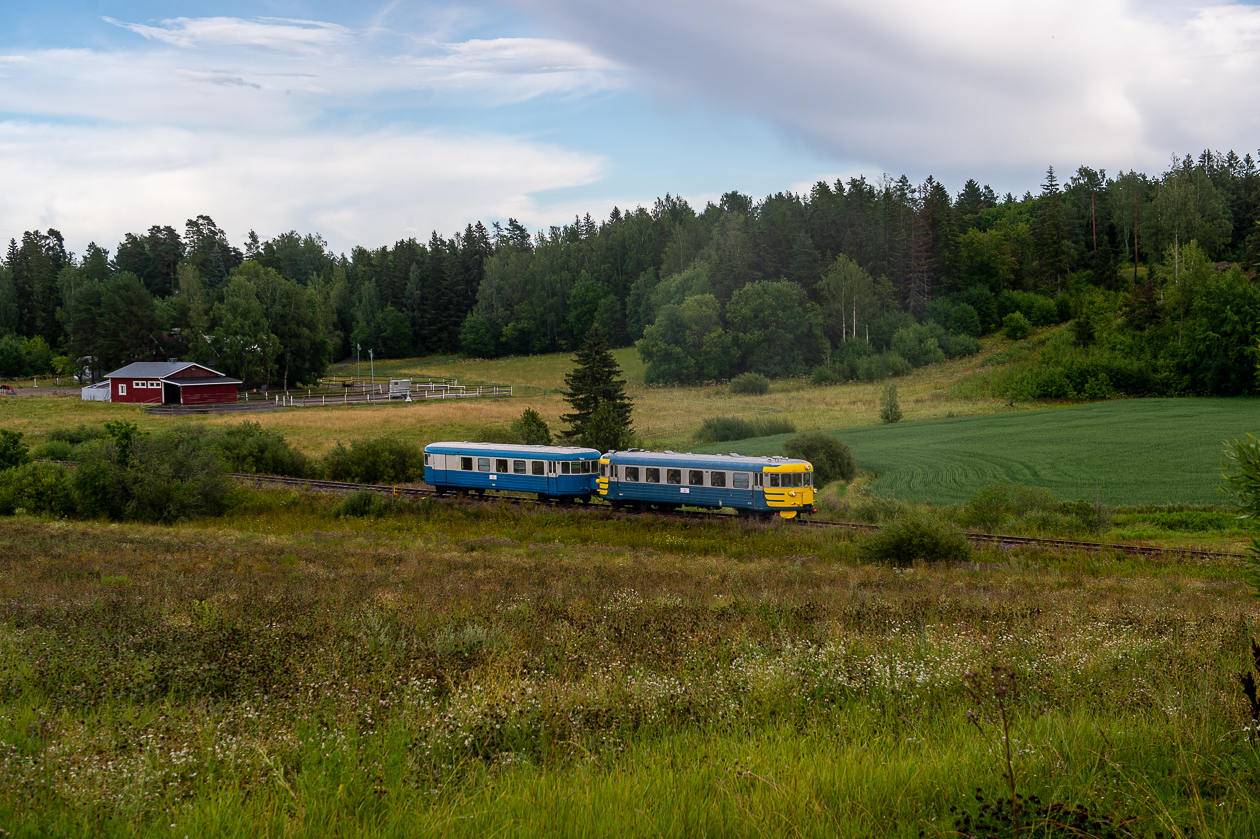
370	123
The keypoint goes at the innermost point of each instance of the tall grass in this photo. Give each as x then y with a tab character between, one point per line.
725	429
449	670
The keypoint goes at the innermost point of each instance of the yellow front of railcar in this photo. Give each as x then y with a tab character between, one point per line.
601	482
789	488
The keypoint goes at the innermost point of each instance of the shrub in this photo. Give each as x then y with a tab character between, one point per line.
248	447
725	429
164	477
831	458
1015	326
914	537
53	450
531	429
365	502
100	484
878	508
876	368
1019	508
889	409
76	436
750	383
175	476
825	374
37	488
918	345
381	460
13	452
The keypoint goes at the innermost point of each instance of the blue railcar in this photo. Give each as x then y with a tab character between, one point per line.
762	486
558	472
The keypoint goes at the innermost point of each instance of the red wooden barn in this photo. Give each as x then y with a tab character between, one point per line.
170	383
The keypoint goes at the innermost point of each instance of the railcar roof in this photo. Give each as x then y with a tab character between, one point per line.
729	461
510	448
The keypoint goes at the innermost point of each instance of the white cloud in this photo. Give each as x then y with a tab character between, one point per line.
239	119
267	33
270	75
964	87
97	183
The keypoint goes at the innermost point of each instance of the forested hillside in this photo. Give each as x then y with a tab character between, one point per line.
854	280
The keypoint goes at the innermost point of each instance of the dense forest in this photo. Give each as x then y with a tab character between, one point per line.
854	280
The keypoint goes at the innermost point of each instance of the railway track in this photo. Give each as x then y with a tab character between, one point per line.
978	539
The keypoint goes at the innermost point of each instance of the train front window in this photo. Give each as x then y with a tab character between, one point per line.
653	475
717	479
536	466
739	480
483	464
809	479
695	477
518	467
603	470
564	467
774	480
673	476
465	463
426	459
632	473
586	467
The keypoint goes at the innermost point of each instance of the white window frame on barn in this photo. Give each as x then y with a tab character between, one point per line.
155	384
139	384
122	389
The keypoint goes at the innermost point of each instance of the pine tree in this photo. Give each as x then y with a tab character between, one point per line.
594	382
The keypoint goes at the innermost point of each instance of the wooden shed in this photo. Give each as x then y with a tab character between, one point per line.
170	383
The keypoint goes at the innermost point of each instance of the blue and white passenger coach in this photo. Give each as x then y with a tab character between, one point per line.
551	471
760	486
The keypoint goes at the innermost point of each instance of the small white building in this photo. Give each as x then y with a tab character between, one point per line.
98	392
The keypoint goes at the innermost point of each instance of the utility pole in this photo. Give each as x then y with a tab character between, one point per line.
358	369
372	363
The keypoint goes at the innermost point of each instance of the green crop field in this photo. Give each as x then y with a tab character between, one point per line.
1135	451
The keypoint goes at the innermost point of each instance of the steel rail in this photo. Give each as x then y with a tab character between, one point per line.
976	538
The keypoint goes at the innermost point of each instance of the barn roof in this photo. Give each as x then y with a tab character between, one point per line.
154	369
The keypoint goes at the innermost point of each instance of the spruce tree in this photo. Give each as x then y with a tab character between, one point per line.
595	381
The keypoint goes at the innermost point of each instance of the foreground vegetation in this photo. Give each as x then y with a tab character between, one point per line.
443	670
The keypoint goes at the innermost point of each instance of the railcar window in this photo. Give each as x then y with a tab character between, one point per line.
426	458
774	480
500	464
809	479
739	480
483	464
518	467
536	466
632	473
673	476
603	470
653	475
695	477
564	467
465	463
586	467
717	479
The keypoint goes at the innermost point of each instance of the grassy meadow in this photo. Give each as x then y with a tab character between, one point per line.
665	417
1127	452
477	671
